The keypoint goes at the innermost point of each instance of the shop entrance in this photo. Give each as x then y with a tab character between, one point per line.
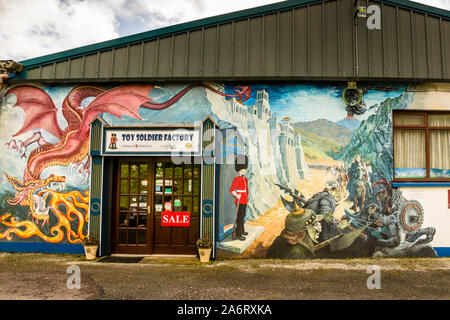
143	189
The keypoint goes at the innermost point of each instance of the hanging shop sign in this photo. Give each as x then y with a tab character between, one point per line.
151	140
175	219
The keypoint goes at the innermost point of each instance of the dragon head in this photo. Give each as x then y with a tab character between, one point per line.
33	194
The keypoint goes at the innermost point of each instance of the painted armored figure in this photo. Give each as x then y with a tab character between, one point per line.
357	185
297	240
326	236
323	203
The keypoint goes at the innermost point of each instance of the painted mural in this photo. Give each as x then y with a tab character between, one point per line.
314	182
51	148
320	185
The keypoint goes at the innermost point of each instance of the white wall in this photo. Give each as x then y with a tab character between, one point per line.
434	201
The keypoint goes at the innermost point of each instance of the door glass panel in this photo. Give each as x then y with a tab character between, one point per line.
196	171
134	186
123	236
177	187
123	186
123	219
159	170
144	186
123	203
188	171
195	187
124	170
132	236
142	237
168	186
133	203
143	203
159	186
158	204
187	204
187	186
143	170
133	220
142	220
168	173
168	204
178	171
177	204
134	170
195	204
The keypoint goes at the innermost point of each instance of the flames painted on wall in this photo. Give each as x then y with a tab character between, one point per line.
75	204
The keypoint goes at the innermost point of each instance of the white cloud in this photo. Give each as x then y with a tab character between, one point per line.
444	4
30	28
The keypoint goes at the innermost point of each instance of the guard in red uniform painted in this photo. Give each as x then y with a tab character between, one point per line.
239	190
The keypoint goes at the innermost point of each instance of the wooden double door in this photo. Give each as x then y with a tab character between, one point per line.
144	188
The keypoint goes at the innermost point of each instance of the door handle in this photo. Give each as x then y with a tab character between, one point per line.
148	209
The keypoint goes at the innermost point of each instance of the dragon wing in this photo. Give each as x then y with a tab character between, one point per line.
120	101
40	111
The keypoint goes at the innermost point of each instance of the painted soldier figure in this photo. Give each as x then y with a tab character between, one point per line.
239	190
113	141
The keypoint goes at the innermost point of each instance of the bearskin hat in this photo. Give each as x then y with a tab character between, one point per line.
240	162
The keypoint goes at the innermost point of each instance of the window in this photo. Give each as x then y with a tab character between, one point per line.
421	146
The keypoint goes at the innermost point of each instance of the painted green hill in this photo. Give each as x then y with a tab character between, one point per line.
326	129
323	139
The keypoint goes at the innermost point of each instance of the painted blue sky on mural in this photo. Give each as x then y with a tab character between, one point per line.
295	101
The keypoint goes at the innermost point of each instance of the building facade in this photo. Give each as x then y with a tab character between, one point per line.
135	140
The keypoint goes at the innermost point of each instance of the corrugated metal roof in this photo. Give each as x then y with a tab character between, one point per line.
298	39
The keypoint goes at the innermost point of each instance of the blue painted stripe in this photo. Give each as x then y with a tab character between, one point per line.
41	247
420	184
442	251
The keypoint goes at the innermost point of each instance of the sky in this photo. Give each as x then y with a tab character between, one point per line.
30	28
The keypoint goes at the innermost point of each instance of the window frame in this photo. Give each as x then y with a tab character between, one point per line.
427	128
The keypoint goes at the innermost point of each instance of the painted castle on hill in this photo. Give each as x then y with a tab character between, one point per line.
274	149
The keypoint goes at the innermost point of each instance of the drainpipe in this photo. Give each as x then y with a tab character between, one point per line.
355	25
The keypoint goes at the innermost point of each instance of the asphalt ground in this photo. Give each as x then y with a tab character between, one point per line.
54	277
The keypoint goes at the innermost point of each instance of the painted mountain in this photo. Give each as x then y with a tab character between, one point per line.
323	139
350	123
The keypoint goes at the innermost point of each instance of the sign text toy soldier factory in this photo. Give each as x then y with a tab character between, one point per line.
152	140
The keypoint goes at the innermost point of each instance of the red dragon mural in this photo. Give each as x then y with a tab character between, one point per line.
42	195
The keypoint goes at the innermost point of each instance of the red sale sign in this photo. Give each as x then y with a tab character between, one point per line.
175	219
